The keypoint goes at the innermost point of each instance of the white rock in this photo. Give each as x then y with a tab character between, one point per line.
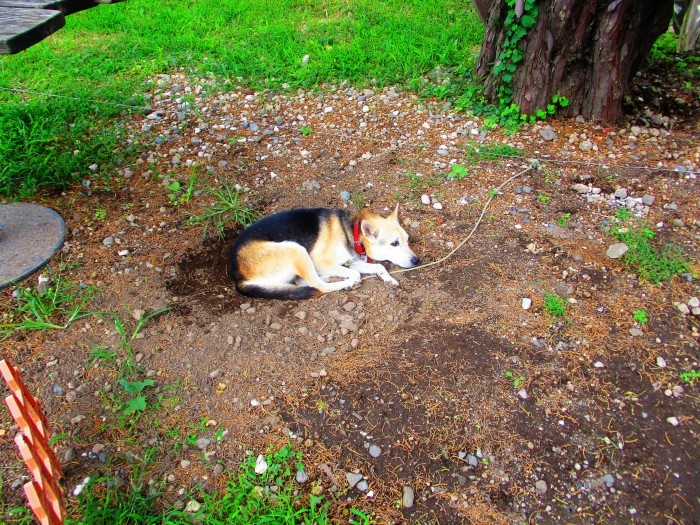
523	393
617	250
541	486
673	420
683	308
123	253
260	465
694	302
425	199
527	303
580	188
437	206
598	364
661	362
408	497
353	479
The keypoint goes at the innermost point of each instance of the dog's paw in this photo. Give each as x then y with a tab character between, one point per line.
389	279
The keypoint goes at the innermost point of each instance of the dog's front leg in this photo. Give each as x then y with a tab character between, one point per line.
374	269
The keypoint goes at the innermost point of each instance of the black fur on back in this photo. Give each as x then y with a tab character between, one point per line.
301	225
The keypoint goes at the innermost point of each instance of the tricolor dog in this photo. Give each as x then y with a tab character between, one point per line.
297	254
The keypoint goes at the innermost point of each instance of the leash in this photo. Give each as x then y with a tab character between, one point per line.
492	195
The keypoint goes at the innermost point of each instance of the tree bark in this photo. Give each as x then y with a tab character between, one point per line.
585	50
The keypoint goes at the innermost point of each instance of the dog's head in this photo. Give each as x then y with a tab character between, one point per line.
385	240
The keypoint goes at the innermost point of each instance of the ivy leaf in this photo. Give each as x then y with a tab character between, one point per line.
135	404
528	21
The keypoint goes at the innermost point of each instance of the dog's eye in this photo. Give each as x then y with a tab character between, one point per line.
395	243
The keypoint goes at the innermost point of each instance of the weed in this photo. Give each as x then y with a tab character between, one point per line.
458	172
100	214
641	316
492	193
418	183
563	220
60	305
690	376
227	210
492	151
305	130
137	402
554	305
516	380
643	258
623	214
543	198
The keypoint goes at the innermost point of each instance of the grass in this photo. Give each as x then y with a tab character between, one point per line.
96	67
490	152
227	210
554	305
57	307
651	263
247	498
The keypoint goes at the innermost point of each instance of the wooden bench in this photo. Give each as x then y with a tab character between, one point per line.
24	23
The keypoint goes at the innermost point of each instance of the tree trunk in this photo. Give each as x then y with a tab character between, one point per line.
689	38
585	50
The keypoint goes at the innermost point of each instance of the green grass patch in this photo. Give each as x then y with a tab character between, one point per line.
61	304
264	491
554	305
96	67
490	152
651	263
228	210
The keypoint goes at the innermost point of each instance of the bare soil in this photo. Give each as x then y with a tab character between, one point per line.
472	399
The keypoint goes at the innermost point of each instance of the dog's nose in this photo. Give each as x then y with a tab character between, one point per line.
415	260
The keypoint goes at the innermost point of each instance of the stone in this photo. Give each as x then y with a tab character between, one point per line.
425	199
661	362
353	479
580	188
617	250
526	303
673	420
636	332
541	486
522	393
548	134
302	477
203	443
694	302
408	497
683	308
345	195
609	480
375	451
586	146
648	200
362	486
621	193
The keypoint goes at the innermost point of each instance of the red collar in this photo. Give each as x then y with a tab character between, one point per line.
359	247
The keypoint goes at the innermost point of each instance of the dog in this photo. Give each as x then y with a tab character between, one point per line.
296	254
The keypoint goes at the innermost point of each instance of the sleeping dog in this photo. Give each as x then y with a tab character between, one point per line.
295	254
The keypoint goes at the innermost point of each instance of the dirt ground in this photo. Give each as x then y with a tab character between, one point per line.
489	412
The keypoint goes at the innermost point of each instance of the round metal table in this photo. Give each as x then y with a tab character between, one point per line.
29	236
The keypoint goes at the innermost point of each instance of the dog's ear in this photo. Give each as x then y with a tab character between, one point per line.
369	231
394	214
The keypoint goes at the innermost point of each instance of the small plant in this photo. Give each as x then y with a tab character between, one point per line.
305	130
127	362
623	214
690	376
227	210
492	193
641	316
54	309
100	214
493	151
516	380
563	220
544	199
180	194
554	305
647	261
458	172
137	402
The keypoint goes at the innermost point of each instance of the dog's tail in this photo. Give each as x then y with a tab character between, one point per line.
281	291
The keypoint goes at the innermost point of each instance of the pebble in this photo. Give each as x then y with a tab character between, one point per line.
586	145
617	250
683	308
375	451
203	443
636	332
648	200
541	486
437	206
621	193
673	420
425	199
345	195
408	497
527	303
353	479
609	480
580	188
548	134
694	302
71	396
260	465
362	486
302	477
472	460
661	362
598	364
108	241
217	470
523	393
185	463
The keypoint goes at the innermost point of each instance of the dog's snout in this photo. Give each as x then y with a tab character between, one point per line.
415	260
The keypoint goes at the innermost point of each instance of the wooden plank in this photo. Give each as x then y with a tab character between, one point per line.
22	28
66	7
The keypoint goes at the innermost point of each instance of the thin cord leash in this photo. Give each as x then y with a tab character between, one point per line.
492	195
